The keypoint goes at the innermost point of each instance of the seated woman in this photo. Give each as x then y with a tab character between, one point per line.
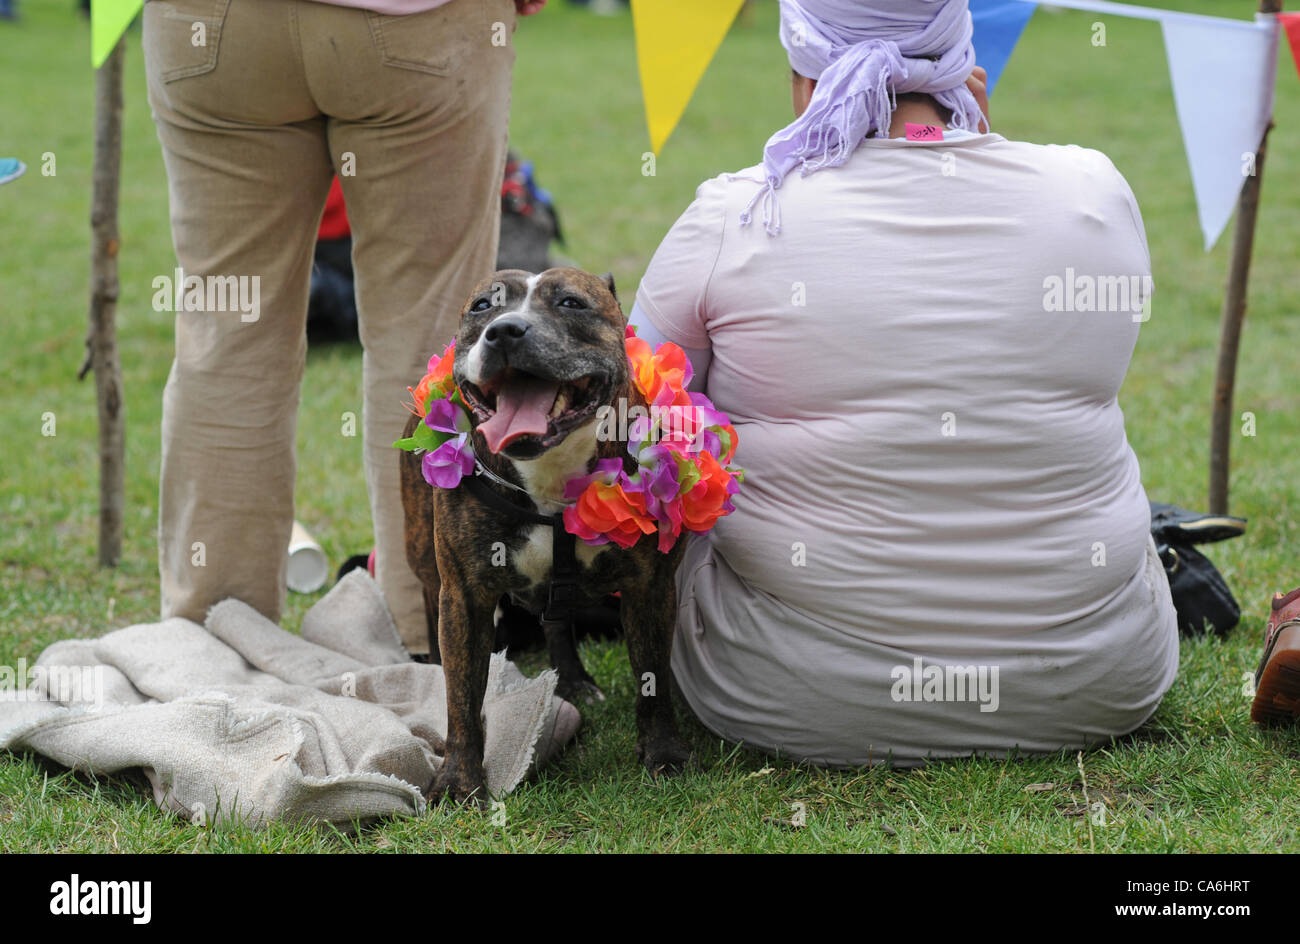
942	545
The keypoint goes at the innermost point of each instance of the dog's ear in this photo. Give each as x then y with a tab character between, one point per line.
608	279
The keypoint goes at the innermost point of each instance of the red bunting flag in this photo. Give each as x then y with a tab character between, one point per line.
1291	24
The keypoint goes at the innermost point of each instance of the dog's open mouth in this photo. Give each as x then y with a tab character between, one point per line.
515	405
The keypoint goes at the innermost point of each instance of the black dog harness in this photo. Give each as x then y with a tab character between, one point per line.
562	593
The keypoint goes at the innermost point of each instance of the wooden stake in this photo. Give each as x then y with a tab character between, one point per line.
101	339
1234	315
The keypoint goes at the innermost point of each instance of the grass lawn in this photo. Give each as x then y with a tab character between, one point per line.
1198	778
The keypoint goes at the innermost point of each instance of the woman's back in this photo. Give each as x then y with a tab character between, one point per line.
937	464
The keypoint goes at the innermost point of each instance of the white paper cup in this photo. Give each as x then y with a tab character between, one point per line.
308	567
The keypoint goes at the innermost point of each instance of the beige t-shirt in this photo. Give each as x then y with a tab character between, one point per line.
942	543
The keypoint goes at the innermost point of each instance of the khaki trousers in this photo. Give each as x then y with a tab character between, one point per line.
257	103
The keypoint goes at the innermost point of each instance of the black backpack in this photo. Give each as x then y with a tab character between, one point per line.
1201	595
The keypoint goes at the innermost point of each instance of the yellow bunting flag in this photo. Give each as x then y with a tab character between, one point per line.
675	41
108	21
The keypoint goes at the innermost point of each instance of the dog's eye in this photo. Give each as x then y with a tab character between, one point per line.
572	301
483	304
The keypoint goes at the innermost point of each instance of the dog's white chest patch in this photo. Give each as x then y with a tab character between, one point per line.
533	560
544	478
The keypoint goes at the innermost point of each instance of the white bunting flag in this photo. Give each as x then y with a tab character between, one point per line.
1222	73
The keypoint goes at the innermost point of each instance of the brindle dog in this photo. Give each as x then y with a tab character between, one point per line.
537	356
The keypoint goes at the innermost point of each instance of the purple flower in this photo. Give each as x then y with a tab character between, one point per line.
706	413
708	441
606	471
449	463
446	417
638	431
656	478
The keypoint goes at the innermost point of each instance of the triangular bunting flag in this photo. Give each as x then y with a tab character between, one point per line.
675	41
1222	75
1291	24
108	21
998	25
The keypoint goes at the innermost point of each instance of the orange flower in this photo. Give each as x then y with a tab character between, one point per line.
437	382
440	366
420	395
708	499
608	510
660	375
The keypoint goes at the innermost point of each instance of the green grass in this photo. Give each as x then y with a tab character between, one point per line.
1198	778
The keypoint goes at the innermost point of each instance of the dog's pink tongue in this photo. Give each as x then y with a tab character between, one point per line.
522	405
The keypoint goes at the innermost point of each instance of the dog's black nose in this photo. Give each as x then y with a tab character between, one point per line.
504	332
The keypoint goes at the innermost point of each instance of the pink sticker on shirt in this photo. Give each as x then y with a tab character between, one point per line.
923	132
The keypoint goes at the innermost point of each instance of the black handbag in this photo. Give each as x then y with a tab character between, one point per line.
1201	595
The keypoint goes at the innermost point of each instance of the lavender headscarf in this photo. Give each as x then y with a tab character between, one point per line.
862	52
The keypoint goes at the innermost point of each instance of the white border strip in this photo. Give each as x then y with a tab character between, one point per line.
1261	22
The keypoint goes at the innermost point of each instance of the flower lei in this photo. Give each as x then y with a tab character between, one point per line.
683	449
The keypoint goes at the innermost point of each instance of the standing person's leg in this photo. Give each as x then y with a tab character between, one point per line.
247	171
422	111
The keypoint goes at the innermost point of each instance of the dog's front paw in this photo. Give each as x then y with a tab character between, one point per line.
665	756
455	784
